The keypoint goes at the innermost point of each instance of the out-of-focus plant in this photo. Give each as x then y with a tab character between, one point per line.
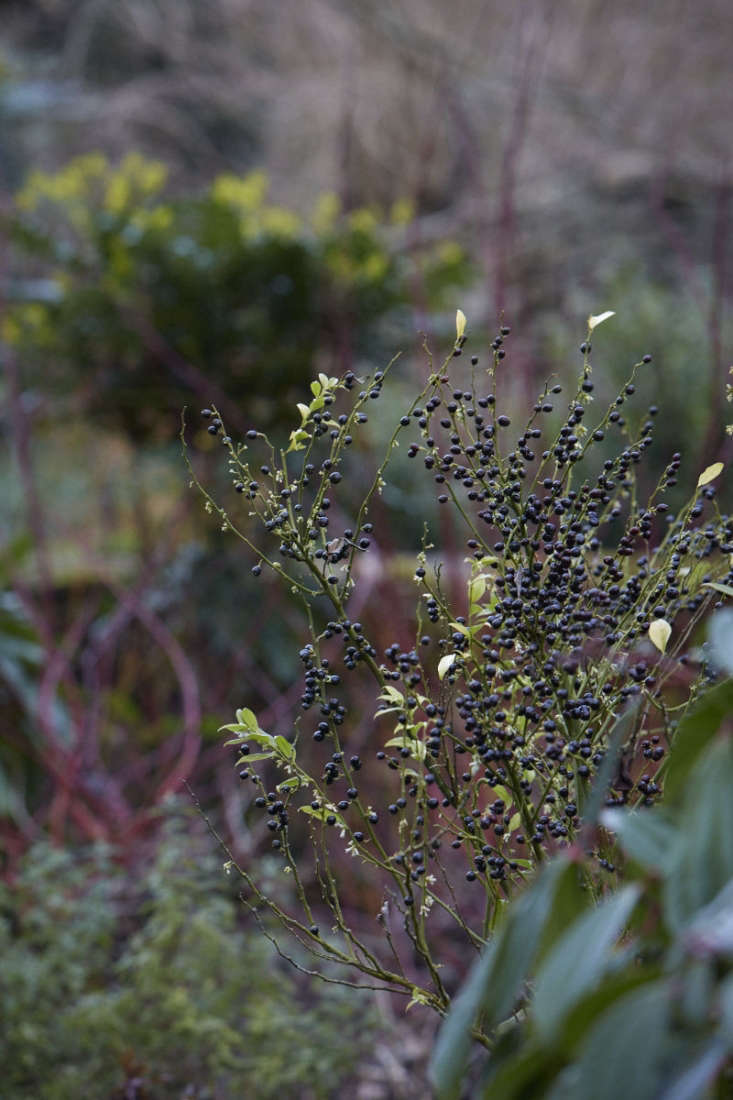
632	996
110	985
133	299
501	701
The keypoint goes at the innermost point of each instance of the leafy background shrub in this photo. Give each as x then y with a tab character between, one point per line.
161	990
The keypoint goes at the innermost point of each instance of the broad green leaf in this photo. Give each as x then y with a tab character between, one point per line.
304	411
460	324
495	982
453	1044
527	1074
590	1008
659	633
599	318
695	732
316	388
253	758
705	863
626	1049
709	474
720	635
578	960
695	1080
445	663
726	1009
646	836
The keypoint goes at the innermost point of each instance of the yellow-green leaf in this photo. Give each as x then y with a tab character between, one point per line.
724	588
599	318
445	663
659	633
303	410
476	588
709	474
460	324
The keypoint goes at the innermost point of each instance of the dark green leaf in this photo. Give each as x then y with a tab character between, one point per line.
695	1080
578	960
646	837
624	1053
696	731
705	863
720	634
590	808
496	981
453	1045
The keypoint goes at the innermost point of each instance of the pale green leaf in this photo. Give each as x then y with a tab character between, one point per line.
659	634
709	474
246	718
476	588
599	318
460	324
724	588
445	663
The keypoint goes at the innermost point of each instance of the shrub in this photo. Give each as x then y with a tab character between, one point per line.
577	598
633	996
128	299
110	985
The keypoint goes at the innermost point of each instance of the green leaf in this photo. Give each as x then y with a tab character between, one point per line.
453	1044
705	863
322	813
284	747
659	634
590	807
646	836
720	635
246	718
709	474
445	663
724	588
476	588
527	1074
496	981
460	324
624	1054
292	784
391	694
697	1077
578	960
696	730
599	318
253	757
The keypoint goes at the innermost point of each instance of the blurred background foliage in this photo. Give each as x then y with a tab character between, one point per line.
210	203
